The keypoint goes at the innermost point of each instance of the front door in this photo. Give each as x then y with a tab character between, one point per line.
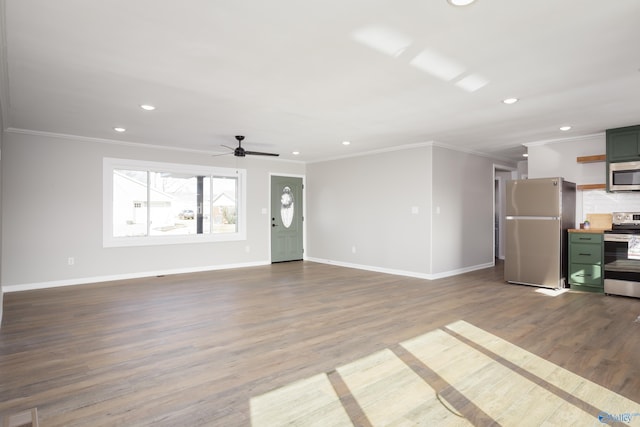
286	219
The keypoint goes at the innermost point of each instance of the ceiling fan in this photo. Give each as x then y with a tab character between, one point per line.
241	152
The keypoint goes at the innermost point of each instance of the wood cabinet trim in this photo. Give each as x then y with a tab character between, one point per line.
592	159
591	187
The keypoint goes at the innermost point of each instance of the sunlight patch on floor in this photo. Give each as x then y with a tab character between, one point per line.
310	402
585	390
503	394
551	292
391	393
505	382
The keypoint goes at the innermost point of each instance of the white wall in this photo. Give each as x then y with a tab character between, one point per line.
382	205
52	192
559	159
523	169
366	203
463	219
1	181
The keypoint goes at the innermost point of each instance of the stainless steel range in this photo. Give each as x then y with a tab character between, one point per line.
622	255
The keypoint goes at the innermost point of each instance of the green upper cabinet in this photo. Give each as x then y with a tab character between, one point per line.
623	144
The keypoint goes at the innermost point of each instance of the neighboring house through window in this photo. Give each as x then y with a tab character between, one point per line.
147	203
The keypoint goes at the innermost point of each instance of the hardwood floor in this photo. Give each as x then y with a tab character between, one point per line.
209	348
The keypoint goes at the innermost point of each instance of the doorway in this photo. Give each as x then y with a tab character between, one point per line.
286	219
501	174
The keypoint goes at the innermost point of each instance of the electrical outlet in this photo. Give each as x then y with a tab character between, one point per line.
71	260
353	249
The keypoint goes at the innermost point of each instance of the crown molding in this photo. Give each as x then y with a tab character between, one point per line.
568	139
85	139
410	147
373	152
94	140
470	151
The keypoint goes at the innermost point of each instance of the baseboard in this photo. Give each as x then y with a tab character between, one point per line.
462	270
427	276
110	278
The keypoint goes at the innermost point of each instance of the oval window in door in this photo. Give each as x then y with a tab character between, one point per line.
286	207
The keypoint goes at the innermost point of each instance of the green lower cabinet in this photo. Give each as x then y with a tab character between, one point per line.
585	262
585	275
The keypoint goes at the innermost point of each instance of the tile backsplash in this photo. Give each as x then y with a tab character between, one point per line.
599	201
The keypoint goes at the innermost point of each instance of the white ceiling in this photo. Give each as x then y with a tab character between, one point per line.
305	75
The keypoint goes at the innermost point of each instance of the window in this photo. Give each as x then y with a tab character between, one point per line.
147	203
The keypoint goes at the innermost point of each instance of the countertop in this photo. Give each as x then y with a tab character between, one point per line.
588	230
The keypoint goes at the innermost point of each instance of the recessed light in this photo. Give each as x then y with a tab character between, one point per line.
565	128
510	101
460	2
118	129
295	153
346	142
147	107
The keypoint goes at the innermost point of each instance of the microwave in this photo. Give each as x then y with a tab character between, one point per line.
624	176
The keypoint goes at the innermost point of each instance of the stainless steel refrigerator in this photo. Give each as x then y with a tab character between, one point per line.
539	213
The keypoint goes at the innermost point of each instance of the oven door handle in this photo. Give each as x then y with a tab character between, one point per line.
617	237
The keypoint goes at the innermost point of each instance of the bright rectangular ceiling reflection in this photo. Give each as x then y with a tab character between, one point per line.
437	65
472	82
382	39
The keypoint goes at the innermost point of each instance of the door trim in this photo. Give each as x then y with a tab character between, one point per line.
499	200
304	211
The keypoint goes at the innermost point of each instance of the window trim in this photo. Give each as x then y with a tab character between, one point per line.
110	164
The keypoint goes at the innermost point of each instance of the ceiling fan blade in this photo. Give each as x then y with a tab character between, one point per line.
241	152
258	153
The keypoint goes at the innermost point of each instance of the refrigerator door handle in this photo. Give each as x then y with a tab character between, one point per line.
543	218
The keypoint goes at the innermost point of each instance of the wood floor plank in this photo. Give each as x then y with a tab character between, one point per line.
195	349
